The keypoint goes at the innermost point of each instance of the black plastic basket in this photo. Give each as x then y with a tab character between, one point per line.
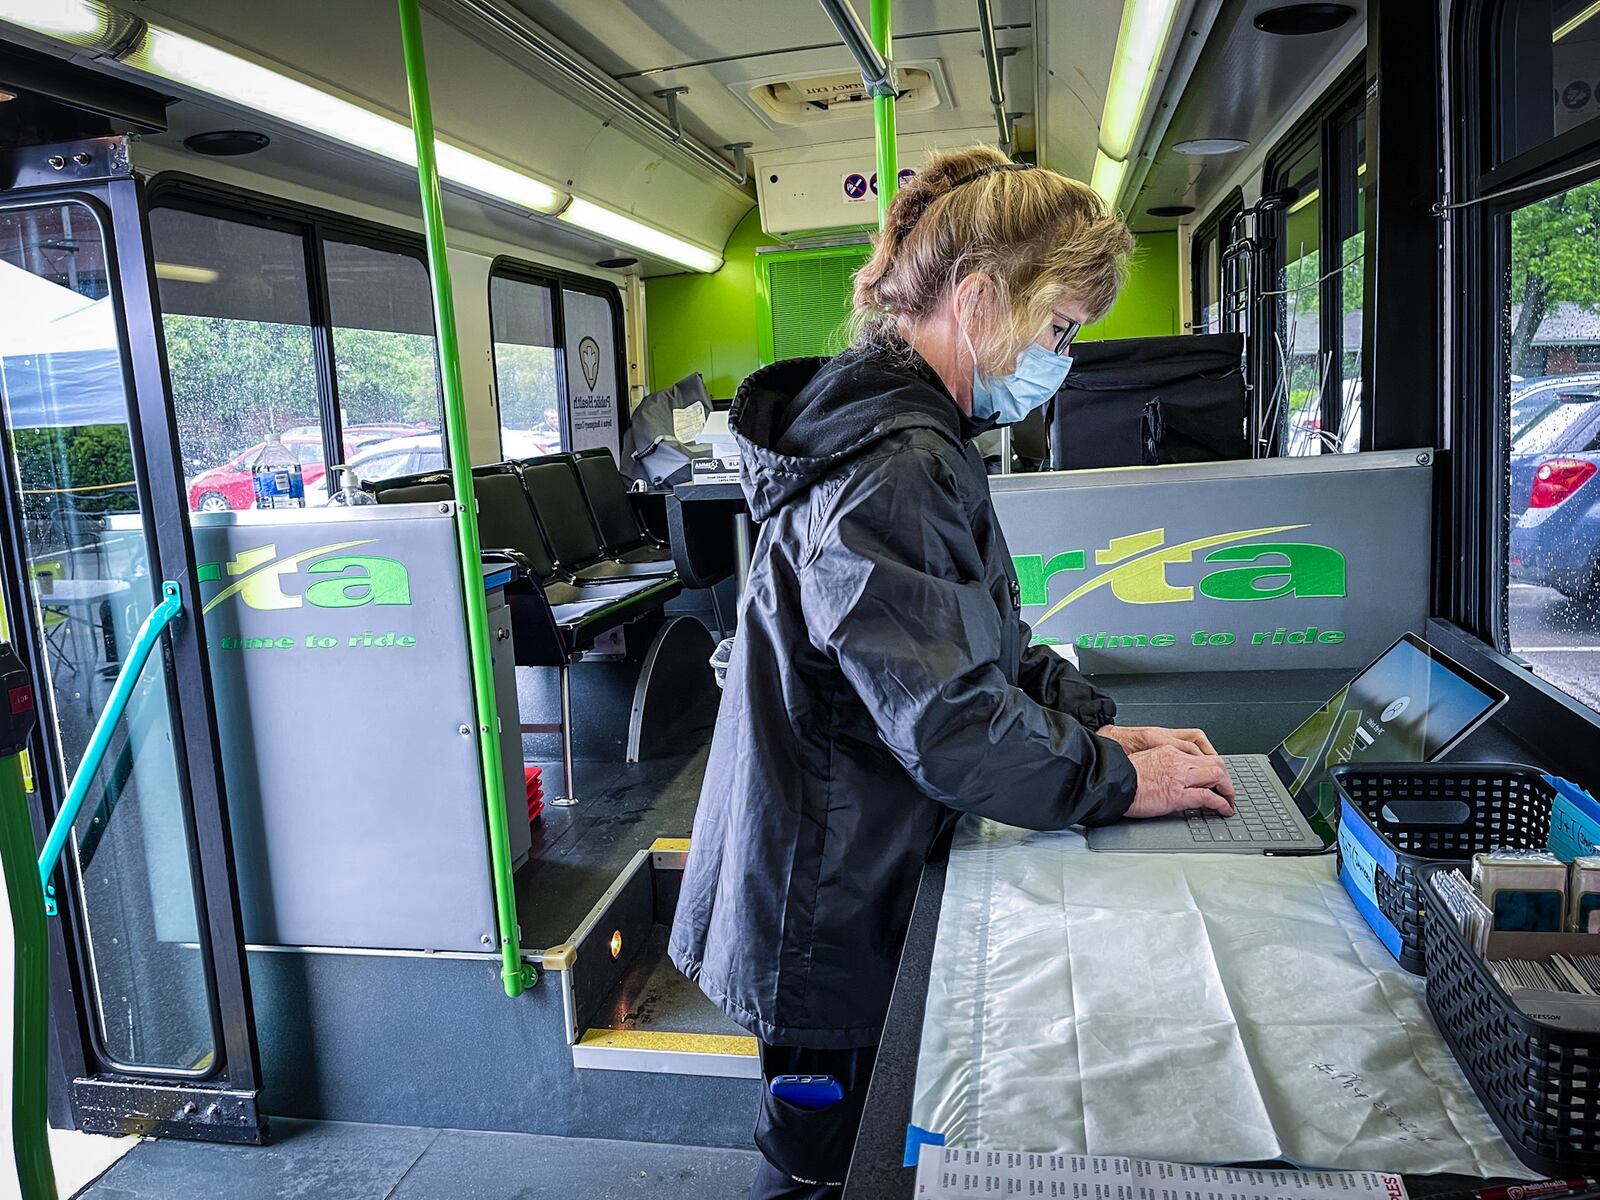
1540	1083
1431	813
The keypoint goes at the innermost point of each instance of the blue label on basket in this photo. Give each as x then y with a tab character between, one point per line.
1574	820
1362	854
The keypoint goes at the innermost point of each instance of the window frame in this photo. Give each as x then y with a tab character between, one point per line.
315	227
1344	100
1472	572
517	270
1215	225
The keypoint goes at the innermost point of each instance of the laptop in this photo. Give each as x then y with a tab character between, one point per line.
1411	704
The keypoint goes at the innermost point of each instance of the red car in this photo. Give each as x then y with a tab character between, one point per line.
229	486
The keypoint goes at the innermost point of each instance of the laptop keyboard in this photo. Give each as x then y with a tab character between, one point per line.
1261	815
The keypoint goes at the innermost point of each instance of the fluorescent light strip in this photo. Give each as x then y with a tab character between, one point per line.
184	273
1146	26
1571	23
619	228
1108	176
193	64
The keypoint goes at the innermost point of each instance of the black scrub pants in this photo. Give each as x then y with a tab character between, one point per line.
805	1152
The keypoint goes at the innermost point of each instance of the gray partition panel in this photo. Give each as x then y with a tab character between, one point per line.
1268	564
339	662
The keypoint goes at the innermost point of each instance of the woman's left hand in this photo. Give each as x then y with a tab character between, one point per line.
1134	738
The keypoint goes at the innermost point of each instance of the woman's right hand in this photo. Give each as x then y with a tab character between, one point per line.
1173	780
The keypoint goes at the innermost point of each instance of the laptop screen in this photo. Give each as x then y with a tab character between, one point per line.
1410	705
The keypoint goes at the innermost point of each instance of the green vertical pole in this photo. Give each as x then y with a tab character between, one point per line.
883	115
512	973
30	1019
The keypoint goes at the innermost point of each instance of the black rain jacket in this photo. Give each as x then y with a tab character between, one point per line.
881	683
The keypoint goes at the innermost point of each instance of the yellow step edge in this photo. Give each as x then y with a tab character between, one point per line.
682	1043
669	846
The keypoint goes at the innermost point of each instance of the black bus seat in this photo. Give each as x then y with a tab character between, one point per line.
560	508
622	532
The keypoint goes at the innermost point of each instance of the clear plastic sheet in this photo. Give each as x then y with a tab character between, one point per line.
1199	1008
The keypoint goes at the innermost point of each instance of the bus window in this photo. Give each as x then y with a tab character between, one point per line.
1548	68
525	366
236	313
383	352
1299	332
1553	415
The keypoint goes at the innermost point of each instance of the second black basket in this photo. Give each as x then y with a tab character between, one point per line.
1397	817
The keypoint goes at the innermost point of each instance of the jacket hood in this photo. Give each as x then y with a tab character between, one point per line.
798	420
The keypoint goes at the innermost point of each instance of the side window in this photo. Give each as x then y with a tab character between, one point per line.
555	360
526	368
242	286
236	313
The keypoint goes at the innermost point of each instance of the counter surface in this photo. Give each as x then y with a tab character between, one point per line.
1242	712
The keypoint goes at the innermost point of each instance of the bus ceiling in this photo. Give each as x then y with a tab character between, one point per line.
637	130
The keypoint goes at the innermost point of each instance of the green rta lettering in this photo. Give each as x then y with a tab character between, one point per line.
1136	569
1034	574
1309	570
357	579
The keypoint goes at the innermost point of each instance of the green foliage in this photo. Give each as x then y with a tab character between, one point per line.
1555	259
525	379
82	469
386	377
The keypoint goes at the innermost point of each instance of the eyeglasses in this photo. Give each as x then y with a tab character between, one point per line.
1062	331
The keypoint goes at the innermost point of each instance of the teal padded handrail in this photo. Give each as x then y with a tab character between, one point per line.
145	641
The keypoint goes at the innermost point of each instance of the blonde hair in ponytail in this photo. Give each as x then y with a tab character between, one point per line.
1036	236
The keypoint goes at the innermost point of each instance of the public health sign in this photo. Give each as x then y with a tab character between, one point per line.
1223	566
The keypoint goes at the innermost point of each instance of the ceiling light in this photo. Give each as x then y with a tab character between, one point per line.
183	273
1197	147
1108	175
78	22
1587	13
1309	198
1296	20
1141	41
638	235
7	97
194	64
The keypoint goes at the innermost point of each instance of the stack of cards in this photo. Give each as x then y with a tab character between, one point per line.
1526	890
1466	908
1584	892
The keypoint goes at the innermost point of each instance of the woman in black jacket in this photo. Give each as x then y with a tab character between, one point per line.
882	680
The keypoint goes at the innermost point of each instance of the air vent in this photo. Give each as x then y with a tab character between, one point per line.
836	95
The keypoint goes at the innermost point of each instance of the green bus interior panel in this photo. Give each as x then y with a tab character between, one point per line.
804	299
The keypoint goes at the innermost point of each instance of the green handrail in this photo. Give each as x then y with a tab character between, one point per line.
30	1017
513	973
883	118
146	640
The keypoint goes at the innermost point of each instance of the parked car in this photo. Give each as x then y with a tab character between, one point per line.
1555	500
229	486
1533	397
415	453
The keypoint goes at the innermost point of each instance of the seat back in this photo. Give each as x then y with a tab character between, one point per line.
558	499
607	494
431	488
506	520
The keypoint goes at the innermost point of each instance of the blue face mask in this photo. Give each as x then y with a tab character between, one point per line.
1008	398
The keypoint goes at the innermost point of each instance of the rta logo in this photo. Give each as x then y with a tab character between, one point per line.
345	580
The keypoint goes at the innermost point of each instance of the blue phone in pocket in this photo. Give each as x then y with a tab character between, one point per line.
807	1091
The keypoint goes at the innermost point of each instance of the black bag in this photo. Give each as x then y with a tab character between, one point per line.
1140	401
651	448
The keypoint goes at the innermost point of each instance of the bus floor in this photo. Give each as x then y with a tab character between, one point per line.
337	1161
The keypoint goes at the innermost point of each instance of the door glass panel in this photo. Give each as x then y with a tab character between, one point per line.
1298	349
91	584
525	366
387	371
1553	419
1351	285
593	407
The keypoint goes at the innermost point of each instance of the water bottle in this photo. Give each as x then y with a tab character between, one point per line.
276	474
350	493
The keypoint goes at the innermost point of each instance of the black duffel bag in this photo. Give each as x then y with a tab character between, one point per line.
1141	401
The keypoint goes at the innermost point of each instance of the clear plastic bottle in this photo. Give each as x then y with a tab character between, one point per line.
350	494
276	473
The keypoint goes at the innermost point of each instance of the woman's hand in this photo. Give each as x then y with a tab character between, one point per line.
1134	738
1173	780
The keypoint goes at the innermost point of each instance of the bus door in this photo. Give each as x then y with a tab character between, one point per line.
151	1014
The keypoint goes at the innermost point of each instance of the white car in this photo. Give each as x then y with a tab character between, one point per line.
417	453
